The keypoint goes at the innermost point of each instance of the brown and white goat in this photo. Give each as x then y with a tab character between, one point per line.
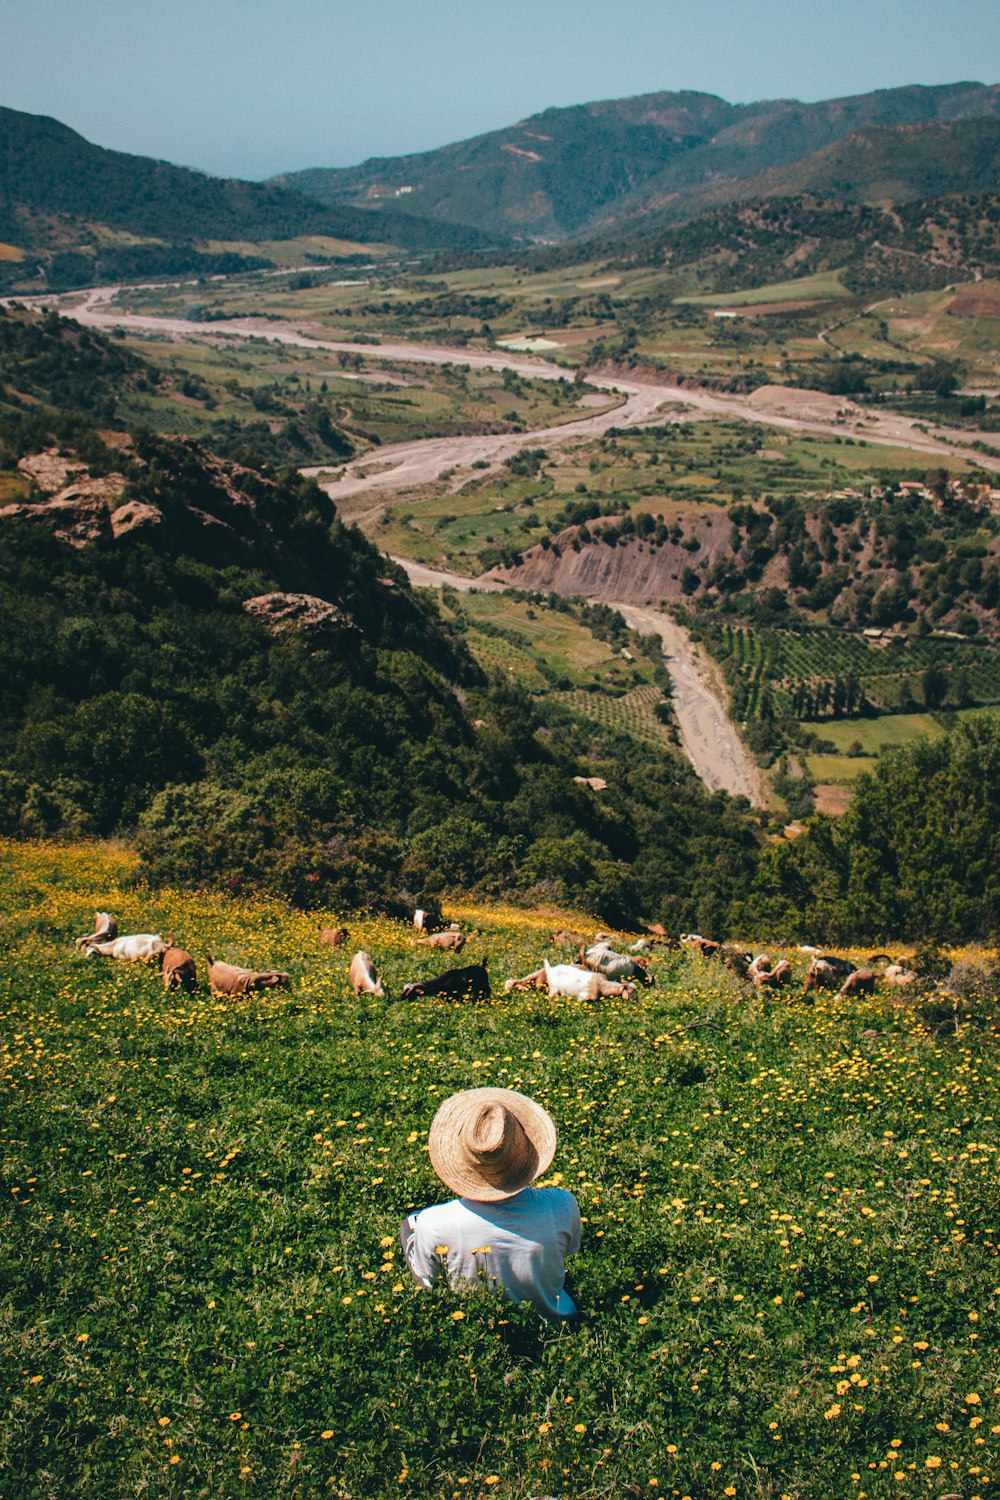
364	979
105	930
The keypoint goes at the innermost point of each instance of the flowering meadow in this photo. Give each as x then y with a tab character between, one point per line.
789	1273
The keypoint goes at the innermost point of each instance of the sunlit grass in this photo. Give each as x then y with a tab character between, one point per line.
789	1268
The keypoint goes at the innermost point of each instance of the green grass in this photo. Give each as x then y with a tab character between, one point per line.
876	735
789	1263
821	287
827	769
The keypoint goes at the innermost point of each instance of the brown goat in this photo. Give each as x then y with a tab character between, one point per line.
861	982
774	978
451	939
707	947
179	971
334	937
227	979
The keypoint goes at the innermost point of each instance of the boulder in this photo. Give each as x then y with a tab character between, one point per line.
280	612
49	471
134	515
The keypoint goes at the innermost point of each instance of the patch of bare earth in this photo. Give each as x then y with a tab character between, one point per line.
833	798
976	301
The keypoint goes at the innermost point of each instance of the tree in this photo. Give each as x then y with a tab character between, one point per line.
935	685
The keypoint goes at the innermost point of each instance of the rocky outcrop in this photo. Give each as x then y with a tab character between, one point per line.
134	515
199	504
50	470
317	617
79	514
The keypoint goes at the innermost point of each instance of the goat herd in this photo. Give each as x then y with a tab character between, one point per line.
599	971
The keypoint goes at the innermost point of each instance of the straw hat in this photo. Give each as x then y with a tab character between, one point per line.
488	1144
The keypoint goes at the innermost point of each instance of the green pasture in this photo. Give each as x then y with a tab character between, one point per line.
789	1270
293	252
827	769
824	286
887	732
565	644
933	324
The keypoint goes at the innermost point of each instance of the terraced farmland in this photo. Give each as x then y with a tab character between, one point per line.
824	673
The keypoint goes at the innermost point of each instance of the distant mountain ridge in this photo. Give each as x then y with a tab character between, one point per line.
570	171
62	195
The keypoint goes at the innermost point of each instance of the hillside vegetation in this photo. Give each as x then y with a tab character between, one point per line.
82	214
165	675
567	171
349	744
790	1243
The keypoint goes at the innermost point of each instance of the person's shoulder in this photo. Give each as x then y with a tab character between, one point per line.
556	1200
438	1215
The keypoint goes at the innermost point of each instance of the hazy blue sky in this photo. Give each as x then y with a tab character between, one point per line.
250	87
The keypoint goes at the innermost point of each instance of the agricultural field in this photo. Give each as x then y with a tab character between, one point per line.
578	677
255	391
581	313
824	286
789	672
960	322
789	1271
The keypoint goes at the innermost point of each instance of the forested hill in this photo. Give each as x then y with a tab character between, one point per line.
924	242
569	171
56	188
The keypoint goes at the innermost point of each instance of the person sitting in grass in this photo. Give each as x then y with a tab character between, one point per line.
488	1145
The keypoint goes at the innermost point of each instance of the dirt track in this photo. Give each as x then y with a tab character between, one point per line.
708	736
403	465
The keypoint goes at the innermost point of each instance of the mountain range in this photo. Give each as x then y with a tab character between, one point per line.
598	166
73	214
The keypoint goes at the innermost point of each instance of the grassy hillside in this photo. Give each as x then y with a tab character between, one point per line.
789	1258
570	170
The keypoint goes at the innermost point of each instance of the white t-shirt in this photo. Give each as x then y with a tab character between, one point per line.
520	1243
